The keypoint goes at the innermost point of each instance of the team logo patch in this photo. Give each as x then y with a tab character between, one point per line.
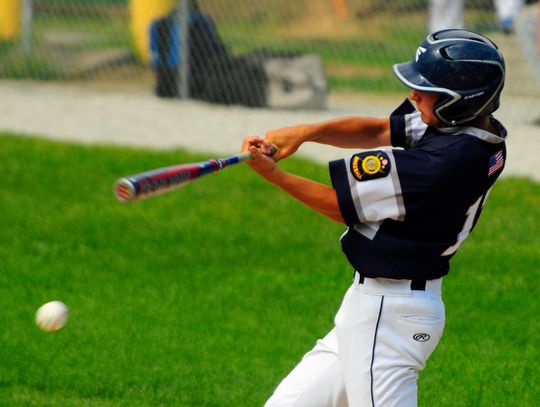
370	165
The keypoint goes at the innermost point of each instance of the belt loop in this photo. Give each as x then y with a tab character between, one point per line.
361	278
418	285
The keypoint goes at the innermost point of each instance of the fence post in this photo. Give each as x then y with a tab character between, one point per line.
26	36
184	7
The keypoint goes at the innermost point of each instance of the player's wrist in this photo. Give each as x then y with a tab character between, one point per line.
309	132
271	174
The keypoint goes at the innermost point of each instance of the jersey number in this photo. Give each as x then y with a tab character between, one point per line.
468	225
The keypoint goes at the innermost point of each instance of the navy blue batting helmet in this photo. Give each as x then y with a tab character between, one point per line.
465	67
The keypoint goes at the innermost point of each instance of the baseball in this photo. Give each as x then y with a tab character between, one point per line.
52	316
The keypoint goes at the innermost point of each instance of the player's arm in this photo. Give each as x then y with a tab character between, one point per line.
319	197
345	132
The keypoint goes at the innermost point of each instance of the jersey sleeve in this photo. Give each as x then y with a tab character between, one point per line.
381	184
367	187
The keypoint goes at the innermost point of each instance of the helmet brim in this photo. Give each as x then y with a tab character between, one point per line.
410	77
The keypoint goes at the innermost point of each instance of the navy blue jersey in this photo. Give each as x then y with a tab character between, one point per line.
408	208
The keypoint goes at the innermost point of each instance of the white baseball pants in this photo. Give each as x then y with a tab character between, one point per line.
384	333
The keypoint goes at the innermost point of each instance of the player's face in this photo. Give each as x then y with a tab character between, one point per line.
425	102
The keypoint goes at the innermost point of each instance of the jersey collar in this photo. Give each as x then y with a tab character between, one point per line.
479	133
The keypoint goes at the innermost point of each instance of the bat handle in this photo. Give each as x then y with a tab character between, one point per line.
243	156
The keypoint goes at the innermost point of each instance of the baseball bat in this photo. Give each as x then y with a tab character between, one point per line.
161	180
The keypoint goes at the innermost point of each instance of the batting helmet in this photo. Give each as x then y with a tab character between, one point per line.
465	67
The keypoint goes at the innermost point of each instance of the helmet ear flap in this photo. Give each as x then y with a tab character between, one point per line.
457	110
441	110
495	103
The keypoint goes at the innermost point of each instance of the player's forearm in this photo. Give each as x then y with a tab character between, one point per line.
350	132
319	197
346	132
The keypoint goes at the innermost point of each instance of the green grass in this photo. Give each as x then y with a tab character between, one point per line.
209	295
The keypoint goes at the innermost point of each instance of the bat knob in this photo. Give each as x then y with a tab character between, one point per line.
269	149
124	190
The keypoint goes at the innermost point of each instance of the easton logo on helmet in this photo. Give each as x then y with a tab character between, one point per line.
475	95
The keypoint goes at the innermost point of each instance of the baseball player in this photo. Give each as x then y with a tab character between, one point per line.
407	209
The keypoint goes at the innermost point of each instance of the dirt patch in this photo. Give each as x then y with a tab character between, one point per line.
347	71
331	27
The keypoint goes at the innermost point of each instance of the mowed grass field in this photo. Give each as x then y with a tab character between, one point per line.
209	295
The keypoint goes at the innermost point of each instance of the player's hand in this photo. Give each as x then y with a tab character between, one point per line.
262	154
287	140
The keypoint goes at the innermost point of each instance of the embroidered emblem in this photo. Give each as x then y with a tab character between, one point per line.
370	165
496	162
421	337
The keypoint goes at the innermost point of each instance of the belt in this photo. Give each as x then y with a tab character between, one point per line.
416	284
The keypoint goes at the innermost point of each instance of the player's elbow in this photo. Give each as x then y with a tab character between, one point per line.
382	133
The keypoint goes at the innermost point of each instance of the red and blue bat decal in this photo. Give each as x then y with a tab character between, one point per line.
158	181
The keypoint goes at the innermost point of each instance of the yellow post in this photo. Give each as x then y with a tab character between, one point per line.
142	14
10	19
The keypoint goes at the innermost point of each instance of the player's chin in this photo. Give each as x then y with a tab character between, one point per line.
430	120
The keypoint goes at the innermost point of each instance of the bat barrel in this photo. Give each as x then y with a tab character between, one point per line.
158	181
125	190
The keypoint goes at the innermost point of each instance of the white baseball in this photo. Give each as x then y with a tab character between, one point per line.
52	316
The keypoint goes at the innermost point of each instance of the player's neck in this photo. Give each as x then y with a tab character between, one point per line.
484	123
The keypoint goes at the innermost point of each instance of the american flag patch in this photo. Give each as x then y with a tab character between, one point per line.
495	163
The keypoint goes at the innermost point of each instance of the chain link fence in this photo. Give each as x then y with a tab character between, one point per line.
138	43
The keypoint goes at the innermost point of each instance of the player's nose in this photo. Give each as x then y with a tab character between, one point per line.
414	95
